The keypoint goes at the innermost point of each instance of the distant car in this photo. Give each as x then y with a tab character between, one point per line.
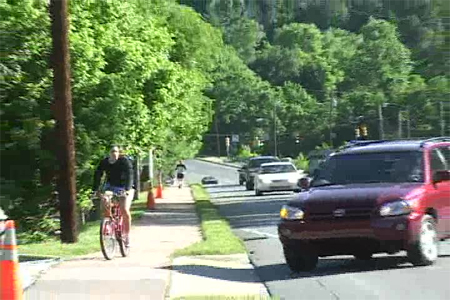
241	173
277	176
210	180
372	197
252	168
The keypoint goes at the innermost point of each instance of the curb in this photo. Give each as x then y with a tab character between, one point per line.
29	276
219	163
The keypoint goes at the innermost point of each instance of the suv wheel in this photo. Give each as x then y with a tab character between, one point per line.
425	250
299	259
258	192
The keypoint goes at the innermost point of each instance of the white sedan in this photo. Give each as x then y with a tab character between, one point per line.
277	176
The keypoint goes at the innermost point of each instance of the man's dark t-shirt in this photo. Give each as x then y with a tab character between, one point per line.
119	173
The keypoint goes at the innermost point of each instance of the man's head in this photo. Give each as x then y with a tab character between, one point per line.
114	153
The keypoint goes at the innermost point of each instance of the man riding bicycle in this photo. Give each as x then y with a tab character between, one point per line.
180	169
119	180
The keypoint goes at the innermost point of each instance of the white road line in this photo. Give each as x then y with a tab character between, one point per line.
261	233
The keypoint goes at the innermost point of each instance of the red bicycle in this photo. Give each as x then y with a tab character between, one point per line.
111	229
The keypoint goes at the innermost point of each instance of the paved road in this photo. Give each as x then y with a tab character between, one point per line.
254	219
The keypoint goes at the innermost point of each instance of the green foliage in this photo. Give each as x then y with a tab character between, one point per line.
302	162
160	74
218	238
356	54
245	152
323	146
84	201
139	74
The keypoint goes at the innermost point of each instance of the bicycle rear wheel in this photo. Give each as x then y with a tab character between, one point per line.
107	238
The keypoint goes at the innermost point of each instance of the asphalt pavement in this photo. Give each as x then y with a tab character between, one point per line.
255	219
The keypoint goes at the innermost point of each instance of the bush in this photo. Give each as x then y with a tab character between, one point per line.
302	162
245	152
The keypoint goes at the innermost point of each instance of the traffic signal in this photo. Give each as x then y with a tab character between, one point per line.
364	130
357	133
227	141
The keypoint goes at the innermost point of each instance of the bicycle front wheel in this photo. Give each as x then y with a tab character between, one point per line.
107	238
124	250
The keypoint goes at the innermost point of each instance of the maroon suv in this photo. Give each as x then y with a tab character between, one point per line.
372	197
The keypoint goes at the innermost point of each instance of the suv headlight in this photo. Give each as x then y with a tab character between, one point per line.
291	213
395	208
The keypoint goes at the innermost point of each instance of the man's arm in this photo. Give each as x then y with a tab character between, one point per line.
98	175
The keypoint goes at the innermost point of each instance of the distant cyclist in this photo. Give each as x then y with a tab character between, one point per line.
119	179
181	170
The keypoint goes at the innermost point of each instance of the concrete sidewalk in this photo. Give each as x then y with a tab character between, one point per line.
146	274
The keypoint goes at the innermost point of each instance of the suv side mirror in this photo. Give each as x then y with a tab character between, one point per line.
304	183
441	175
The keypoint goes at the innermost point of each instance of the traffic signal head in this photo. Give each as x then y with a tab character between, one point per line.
364	130
357	132
227	141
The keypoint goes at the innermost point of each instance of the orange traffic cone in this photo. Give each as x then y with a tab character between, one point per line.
10	282
150	199
159	193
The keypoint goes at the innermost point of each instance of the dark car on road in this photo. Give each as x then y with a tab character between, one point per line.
249	170
372	197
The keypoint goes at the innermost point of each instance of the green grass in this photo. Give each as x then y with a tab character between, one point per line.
217	235
88	239
226	297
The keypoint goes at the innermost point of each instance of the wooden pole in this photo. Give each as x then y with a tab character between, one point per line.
62	110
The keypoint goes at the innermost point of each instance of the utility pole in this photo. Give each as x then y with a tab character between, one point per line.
408	121
380	121
399	123
62	110
217	136
441	112
275	140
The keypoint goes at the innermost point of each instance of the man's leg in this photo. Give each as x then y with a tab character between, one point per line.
125	205
105	205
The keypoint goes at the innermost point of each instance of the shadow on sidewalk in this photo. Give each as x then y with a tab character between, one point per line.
229	274
168	214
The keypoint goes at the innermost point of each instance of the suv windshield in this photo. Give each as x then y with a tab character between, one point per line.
277	169
256	163
371	167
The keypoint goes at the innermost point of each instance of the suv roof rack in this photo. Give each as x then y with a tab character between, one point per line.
362	143
355	143
436	139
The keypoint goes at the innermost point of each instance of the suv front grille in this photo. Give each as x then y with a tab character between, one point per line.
343	214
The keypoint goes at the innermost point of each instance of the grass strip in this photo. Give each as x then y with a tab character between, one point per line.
218	237
88	239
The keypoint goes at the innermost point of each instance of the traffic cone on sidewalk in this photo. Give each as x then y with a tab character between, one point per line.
10	282
159	193
150	198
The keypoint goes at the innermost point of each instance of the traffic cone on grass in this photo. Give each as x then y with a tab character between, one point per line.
159	191
150	198
10	282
